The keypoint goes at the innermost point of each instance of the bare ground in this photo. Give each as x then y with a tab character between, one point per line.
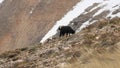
96	46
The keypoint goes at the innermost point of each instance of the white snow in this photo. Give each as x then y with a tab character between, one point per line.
109	4
1	1
78	9
116	15
85	24
112	10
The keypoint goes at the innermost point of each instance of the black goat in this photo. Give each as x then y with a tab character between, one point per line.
65	30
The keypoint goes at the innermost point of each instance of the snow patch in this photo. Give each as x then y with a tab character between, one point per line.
1	1
85	24
116	15
109	4
77	10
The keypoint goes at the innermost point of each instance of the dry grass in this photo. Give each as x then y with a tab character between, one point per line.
104	60
98	50
97	46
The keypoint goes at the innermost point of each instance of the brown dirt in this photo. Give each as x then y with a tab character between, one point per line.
96	46
19	28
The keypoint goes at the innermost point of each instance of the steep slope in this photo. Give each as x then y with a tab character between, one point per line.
25	22
85	13
96	46
103	10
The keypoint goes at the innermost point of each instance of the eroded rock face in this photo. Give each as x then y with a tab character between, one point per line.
25	22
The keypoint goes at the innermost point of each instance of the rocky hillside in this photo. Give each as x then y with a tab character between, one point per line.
105	9
85	13
96	46
25	22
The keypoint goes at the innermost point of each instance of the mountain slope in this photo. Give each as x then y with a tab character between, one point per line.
25	22
96	46
85	13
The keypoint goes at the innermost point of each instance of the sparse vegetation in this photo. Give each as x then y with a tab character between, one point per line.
96	46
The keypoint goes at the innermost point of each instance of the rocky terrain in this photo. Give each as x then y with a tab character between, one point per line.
96	46
25	22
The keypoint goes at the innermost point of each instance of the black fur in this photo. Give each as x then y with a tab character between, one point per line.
65	30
